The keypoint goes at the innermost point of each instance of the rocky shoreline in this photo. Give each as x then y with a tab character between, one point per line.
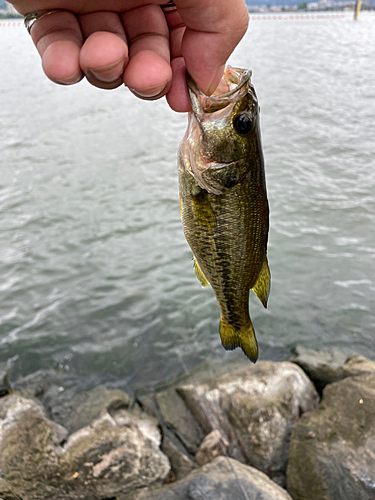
302	429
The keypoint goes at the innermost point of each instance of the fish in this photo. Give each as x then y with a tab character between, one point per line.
223	202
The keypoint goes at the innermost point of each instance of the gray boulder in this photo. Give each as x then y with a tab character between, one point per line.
5	387
181	464
254	409
87	406
212	446
222	479
6	491
326	367
29	448
332	449
176	416
11	409
116	453
169	408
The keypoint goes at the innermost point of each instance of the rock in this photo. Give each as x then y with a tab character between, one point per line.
88	406
222	479
29	445
117	452
12	408
5	387
49	388
6	491
332	449
181	465
149	405
115	455
177	417
169	408
326	367
255	410
64	405
212	446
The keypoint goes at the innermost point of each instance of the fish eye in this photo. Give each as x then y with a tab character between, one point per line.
243	123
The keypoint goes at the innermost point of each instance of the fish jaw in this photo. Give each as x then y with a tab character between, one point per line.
232	87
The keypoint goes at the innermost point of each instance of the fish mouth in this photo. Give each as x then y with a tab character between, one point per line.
233	86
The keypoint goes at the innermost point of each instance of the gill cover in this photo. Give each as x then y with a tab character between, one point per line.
216	139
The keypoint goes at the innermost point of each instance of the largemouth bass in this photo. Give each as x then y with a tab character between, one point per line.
223	202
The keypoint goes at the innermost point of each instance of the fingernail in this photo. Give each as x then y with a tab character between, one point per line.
149	93
110	73
71	80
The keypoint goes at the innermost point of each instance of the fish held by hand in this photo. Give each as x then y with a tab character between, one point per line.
223	202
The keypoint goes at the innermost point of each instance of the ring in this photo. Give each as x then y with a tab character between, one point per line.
167	7
32	17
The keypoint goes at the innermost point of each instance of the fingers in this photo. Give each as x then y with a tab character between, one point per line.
214	28
201	35
104	53
95	45
148	73
66	58
58	39
177	96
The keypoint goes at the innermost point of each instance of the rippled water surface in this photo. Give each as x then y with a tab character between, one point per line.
96	277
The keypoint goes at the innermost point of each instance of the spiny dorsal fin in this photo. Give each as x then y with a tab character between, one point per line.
199	274
263	283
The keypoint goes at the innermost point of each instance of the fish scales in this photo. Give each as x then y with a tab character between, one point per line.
224	207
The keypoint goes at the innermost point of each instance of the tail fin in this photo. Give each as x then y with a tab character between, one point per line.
244	338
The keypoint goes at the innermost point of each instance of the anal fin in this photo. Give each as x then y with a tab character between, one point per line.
199	274
263	283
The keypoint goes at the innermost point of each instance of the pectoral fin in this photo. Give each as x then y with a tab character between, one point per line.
244	338
263	283
199	274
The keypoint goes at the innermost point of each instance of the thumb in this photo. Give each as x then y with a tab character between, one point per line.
213	30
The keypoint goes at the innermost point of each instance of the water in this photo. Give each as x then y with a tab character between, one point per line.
97	279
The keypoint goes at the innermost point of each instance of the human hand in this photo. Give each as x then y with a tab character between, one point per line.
111	42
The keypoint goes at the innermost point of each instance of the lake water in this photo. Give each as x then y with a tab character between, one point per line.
96	276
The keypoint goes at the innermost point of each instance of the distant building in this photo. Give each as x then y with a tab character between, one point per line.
324	4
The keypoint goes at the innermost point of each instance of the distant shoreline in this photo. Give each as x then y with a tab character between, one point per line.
287	9
252	10
10	16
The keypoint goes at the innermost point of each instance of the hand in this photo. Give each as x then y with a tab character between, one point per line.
134	42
